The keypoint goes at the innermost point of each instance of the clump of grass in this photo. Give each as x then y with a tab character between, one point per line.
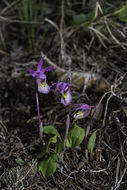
28	14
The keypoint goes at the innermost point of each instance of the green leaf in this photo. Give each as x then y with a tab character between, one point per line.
121	13
91	143
85	19
51	130
59	146
53	139
49	164
45	150
75	136
46	147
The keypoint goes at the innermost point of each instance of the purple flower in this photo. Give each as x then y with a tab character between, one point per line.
82	111
64	89
40	77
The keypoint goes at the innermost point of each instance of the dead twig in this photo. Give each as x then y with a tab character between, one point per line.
119	182
106	108
5	19
9	7
1	123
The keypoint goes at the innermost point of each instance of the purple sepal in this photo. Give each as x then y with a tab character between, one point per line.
83	107
62	87
33	73
40	64
39	73
48	68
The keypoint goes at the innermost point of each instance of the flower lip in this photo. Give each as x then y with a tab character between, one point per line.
66	98
79	115
82	111
43	87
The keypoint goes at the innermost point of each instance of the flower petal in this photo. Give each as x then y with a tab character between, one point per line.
43	88
62	87
32	72
58	84
78	115
49	68
41	75
83	107
40	64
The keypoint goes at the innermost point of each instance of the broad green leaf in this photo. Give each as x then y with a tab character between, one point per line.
91	143
59	146
53	139
49	164
75	136
46	147
85	19
45	150
51	130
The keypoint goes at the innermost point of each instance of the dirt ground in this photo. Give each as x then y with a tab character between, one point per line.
98	63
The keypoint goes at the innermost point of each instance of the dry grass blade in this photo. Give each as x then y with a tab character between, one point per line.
8	20
9	7
113	37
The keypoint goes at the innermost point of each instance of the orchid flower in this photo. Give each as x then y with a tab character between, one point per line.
40	77
41	86
64	89
82	111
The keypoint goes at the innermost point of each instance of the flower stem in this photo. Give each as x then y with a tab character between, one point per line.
68	118
39	119
67	125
